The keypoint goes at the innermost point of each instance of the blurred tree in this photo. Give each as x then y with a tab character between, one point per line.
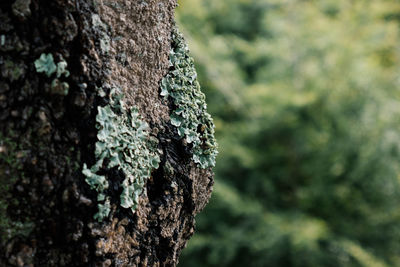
307	107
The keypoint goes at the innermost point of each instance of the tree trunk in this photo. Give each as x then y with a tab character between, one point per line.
96	167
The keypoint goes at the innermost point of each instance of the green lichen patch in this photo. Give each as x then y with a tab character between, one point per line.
62	69
46	64
123	142
102	28
190	116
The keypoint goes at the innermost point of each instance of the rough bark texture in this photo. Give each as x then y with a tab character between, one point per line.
47	133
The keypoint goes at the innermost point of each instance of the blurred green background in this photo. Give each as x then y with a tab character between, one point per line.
305	96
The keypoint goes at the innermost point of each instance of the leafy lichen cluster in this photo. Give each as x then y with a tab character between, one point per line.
102	29
190	116
123	140
46	64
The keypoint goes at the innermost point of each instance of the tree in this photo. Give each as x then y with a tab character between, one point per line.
106	147
308	173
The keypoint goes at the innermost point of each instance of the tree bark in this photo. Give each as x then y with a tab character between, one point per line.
59	62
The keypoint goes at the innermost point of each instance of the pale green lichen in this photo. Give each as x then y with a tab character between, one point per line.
2	40
102	28
46	64
62	69
124	142
190	116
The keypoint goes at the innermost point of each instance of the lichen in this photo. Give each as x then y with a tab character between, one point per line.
45	64
102	29
123	142
190	115
62	69
2	40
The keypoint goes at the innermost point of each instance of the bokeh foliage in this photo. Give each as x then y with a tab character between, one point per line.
306	101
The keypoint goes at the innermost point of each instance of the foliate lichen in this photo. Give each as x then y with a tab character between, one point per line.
123	142
46	64
62	69
102	29
190	116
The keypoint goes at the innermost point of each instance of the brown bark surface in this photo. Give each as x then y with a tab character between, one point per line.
46	208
